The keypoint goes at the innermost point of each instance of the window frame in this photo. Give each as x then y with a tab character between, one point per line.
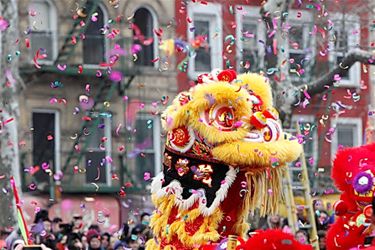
53	20
57	135
309	119
212	13
358	134
306	17
249	14
106	42
156	147
154	27
355	69
107	144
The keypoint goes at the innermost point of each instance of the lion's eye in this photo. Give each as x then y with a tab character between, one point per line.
257	102
222	117
363	182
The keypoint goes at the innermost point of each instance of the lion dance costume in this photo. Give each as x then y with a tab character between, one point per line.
354	175
224	156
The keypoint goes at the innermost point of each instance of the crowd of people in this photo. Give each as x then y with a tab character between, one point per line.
75	235
324	217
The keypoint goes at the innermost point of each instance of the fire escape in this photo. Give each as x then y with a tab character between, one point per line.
105	91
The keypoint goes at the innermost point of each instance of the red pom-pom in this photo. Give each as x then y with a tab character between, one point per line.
200	78
340	207
367	211
226	75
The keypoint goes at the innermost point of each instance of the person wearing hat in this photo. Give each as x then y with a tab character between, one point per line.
93	240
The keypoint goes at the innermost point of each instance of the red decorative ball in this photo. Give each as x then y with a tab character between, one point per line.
340	207
227	75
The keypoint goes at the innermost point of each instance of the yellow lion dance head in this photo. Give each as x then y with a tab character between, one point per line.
225	155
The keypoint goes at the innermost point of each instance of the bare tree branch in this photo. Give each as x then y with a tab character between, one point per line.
356	55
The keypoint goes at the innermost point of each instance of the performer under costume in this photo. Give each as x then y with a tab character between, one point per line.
224	156
354	175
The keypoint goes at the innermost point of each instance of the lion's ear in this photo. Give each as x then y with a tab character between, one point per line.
259	84
176	114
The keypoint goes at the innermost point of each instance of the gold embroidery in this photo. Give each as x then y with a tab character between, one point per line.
203	174
182	166
167	160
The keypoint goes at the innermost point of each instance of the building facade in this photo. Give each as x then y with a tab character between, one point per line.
315	39
96	83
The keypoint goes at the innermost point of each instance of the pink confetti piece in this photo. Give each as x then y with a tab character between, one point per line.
146	176
4	24
38	56
118	129
115	76
9	76
61	67
155	60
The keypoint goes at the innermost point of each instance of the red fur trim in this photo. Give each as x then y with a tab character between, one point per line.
192	227
272	240
347	164
341	236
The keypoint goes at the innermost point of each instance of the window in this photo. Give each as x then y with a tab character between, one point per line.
206	32
348	133
301	44
98	149
94	43
147	146
308	130
143	36
46	143
344	36
249	31
43	26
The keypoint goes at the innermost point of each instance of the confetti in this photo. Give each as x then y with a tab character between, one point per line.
96	186
38	55
146	176
61	67
4	24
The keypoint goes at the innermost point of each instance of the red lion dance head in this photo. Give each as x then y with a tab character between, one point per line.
353	173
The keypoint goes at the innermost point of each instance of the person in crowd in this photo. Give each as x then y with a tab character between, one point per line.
134	244
318	205
122	242
56	229
56	225
277	222
273	222
78	225
4	233
95	227
93	240
322	239
145	219
106	241
302	237
47	236
74	242
301	215
321	220
14	239
331	213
